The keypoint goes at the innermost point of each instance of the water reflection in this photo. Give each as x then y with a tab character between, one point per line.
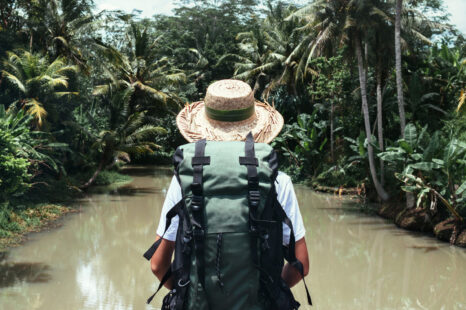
363	262
14	273
357	261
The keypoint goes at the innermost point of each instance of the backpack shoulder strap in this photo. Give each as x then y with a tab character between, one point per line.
251	163
290	254
175	210
197	205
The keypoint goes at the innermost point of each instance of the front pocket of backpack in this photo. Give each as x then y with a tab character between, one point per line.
231	278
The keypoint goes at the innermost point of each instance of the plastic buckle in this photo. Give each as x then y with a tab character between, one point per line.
196	188
254	198
188	236
196	202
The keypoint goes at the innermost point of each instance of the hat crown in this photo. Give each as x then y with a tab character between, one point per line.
229	95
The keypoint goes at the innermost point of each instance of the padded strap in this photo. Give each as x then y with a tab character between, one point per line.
290	253
197	204
170	215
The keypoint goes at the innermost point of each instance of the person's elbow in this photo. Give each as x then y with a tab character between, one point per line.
157	269
302	255
306	268
161	260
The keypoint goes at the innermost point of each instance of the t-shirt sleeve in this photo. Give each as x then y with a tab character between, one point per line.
172	198
287	199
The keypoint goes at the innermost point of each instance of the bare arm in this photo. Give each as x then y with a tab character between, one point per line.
161	260
290	275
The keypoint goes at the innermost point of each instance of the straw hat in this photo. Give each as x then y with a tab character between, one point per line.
229	112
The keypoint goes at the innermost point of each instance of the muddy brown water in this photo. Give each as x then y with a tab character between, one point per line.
357	261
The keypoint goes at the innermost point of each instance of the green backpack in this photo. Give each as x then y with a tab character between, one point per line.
229	251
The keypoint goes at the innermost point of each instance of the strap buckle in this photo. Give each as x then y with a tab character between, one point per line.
254	197
188	236
197	202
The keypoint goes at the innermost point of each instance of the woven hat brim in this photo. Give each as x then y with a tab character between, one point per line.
265	124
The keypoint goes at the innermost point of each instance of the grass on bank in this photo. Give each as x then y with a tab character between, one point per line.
44	203
15	224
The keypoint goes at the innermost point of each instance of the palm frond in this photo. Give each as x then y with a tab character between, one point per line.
36	109
14	80
461	100
145	133
62	40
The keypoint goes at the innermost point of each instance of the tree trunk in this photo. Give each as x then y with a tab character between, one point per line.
365	109
30	42
94	176
379	117
366	58
399	77
331	132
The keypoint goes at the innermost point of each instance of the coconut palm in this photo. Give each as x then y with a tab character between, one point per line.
126	133
399	78
68	23
152	82
251	63
60	27
382	64
34	79
266	53
332	23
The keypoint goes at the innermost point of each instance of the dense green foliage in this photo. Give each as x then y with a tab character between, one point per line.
88	92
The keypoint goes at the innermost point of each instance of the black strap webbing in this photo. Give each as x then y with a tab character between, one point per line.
165	278
197	204
290	253
170	215
251	163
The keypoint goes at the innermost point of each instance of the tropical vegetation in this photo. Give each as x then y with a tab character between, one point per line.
373	92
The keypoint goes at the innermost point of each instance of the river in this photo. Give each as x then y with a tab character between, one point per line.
93	260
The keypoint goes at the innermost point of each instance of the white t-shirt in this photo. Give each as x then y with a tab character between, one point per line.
285	196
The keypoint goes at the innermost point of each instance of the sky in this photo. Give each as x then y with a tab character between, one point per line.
457	8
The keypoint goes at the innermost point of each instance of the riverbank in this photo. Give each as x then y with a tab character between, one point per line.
33	219
43	205
436	223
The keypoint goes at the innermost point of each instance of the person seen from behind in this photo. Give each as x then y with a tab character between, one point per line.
230	217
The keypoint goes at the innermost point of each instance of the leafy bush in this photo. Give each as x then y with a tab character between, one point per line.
14	174
301	143
432	166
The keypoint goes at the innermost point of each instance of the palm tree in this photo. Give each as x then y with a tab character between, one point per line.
151	81
332	23
399	77
382	49
126	133
266	57
60	27
68	25
34	79
251	63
